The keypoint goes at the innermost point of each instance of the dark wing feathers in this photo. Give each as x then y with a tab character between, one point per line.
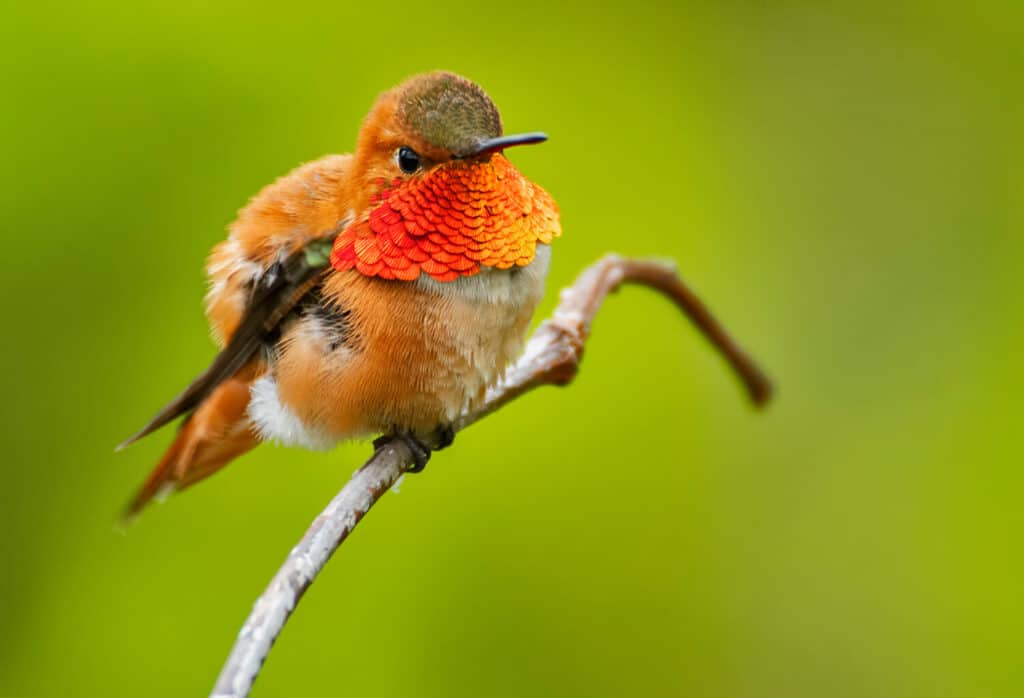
275	294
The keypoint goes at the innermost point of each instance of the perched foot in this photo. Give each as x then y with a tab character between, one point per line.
420	453
444	436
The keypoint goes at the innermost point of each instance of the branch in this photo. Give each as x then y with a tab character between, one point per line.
552	357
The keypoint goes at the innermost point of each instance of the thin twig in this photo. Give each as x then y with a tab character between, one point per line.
552	357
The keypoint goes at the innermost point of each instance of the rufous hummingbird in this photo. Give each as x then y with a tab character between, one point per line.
374	293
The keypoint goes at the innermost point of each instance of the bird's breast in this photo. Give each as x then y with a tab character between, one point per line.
373	355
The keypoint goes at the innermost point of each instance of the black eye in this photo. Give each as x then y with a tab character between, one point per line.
408	160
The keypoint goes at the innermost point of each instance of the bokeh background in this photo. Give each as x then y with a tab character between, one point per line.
841	181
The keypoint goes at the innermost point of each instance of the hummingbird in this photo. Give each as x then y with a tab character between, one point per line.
375	293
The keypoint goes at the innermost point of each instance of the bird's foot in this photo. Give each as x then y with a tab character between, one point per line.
442	437
420	451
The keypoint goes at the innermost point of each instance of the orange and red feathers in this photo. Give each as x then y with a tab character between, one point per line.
449	223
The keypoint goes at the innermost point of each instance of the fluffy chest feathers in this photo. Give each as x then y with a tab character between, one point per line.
376	355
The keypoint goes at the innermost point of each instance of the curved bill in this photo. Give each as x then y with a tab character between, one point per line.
493	145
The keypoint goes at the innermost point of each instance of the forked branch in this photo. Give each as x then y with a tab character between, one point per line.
552	357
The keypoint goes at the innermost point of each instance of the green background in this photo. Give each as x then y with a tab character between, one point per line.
841	182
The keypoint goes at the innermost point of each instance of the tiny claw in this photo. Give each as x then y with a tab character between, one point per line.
444	436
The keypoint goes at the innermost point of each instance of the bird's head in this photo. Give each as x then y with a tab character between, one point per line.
433	192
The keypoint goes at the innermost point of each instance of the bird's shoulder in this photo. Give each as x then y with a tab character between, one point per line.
303	205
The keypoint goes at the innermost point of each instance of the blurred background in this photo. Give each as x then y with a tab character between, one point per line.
841	182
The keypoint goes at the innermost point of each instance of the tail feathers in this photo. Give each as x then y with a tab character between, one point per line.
217	432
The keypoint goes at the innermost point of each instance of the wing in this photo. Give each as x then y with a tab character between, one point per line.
277	291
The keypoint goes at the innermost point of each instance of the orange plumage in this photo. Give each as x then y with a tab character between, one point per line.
438	251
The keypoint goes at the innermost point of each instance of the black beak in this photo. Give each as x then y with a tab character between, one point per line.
493	145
